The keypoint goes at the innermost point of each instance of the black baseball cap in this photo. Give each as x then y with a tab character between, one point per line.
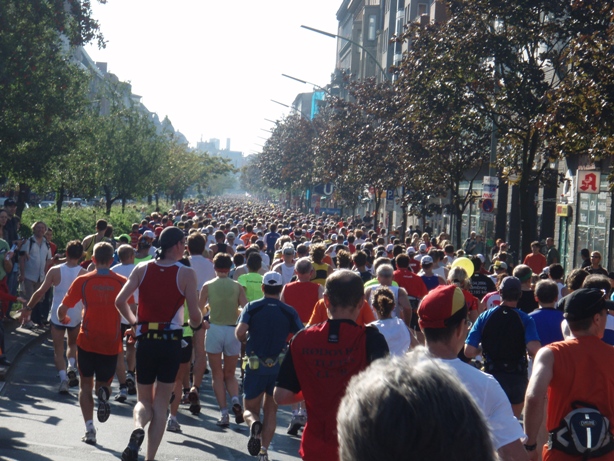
584	303
10	202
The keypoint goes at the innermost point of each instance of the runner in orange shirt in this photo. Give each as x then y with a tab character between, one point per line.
100	340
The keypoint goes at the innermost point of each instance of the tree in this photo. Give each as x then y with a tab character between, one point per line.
355	150
287	159
507	58
447	140
41	91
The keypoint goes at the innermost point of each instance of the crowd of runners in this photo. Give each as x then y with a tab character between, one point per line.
284	308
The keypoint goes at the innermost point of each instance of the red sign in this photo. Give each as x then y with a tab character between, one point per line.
589	181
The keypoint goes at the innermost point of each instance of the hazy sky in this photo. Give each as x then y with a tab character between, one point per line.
212	66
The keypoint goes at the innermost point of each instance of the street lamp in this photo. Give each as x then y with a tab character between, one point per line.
281	104
328	34
307	83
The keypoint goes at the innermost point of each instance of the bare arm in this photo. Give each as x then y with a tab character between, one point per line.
52	278
203	298
513	451
472	351
405	306
535	398
188	283
533	347
241	332
242	298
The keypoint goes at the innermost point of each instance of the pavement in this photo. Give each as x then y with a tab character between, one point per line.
17	340
39	424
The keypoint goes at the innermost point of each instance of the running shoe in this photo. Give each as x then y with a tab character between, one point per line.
64	387
296	423
263	455
185	399
73	377
29	325
122	395
104	408
238	411
130	383
89	437
194	400
172	425
131	453
224	421
254	444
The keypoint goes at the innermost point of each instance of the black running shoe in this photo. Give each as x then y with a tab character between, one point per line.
131	453
254	443
104	408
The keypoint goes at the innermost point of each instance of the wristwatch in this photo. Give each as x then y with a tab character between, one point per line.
530	447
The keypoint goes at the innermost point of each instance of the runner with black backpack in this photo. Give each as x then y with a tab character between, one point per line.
506	334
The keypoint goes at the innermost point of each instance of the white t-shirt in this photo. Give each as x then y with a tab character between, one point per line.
203	268
396	334
126	270
493	402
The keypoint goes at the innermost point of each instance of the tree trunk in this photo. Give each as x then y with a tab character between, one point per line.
458	211
157	202
124	204
548	210
514	233
59	199
149	199
501	226
108	198
528	217
23	196
403	223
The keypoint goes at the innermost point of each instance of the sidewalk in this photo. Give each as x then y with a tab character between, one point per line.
17	340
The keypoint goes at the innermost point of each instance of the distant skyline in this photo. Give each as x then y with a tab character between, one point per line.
213	67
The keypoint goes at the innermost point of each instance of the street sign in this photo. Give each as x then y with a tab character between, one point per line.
488	206
390	194
324	189
389	205
489	187
487	217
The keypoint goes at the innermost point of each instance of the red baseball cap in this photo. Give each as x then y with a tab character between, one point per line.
439	305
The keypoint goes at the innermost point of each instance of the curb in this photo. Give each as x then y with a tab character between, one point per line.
17	340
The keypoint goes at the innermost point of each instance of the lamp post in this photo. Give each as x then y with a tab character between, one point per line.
368	53
306	83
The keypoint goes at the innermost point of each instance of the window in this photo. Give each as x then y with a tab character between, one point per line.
372	29
423	8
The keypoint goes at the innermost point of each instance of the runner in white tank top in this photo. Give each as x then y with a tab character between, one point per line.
61	277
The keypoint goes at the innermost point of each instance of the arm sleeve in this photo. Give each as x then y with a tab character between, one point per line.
245	315
73	296
376	345
287	378
530	329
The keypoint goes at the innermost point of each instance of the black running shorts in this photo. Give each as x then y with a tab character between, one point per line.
157	359
513	384
186	352
92	363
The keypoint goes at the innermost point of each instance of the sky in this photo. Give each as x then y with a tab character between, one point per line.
213	66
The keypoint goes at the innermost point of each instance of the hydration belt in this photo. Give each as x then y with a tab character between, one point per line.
157	330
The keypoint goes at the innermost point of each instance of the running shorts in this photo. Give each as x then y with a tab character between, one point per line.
92	363
221	339
157	359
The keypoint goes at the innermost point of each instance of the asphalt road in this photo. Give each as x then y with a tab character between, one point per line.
39	424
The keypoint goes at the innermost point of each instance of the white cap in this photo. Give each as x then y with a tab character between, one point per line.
411	251
422	247
482	258
426	260
272	279
230	235
389	247
149	234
